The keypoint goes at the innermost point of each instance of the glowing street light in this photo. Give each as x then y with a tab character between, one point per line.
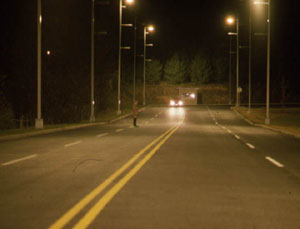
147	29
121	6
267	119
150	28
231	20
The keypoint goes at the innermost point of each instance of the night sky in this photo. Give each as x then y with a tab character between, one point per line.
181	26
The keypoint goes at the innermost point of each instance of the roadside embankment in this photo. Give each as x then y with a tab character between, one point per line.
284	120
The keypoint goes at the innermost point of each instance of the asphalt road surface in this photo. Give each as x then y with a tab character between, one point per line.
193	167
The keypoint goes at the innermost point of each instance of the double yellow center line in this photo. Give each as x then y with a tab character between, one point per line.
89	217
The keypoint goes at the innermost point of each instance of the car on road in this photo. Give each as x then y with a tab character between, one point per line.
176	102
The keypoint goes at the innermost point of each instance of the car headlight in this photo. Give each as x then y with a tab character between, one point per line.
180	103
172	103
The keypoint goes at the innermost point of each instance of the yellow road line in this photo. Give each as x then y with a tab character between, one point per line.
99	206
68	216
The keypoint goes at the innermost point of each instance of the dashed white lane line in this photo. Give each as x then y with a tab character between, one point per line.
229	131
250	146
102	135
237	137
119	130
72	144
274	162
19	160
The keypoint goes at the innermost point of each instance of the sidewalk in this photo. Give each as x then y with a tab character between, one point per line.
283	120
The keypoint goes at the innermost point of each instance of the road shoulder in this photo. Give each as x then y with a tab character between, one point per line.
281	129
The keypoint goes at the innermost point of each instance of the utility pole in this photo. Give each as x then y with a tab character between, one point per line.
229	86
237	64
92	102
250	55
267	120
39	124
134	58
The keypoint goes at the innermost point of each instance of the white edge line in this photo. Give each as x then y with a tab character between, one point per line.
73	143
101	135
18	160
250	146
237	137
119	130
274	162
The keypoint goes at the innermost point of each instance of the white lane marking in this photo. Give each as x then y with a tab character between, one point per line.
223	127
101	135
118	130
18	160
274	162
217	123
250	146
156	115
73	143
237	137
229	131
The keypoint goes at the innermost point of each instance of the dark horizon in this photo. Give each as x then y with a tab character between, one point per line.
183	28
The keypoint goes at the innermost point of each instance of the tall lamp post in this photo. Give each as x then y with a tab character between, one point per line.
267	119
39	124
231	20
229	84
92	102
250	56
147	29
121	6
134	57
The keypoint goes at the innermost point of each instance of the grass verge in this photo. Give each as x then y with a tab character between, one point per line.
105	116
283	119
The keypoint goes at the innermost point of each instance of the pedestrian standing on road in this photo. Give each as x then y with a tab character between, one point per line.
135	112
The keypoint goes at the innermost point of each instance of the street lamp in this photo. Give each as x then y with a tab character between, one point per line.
147	29
229	84
121	6
267	119
92	102
249	58
230	21
39	123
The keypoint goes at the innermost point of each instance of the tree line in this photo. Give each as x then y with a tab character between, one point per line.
178	69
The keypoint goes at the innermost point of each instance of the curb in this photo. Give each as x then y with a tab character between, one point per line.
264	126
54	130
